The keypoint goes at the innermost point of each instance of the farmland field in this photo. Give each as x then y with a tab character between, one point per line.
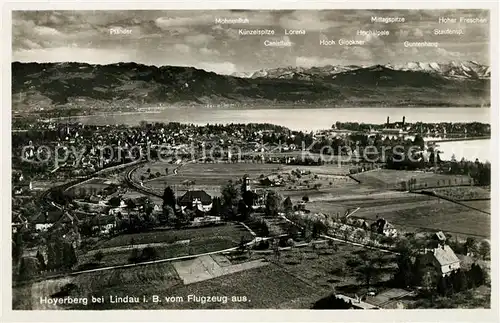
410	212
204	176
263	287
221	171
389	178
324	266
134	281
92	186
229	231
482	205
121	256
299	278
331	204
433	214
166	243
327	169
463	193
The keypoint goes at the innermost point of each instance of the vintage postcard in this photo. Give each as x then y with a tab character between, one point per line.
230	159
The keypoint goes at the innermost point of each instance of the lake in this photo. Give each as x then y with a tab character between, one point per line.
470	150
296	118
309	119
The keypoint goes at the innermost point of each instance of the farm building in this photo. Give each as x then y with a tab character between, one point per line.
45	220
383	227
271	180
196	199
103	223
442	258
357	302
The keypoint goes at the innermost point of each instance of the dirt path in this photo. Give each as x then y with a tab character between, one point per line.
204	268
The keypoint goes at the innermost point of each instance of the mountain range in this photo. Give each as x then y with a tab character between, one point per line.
457	70
63	85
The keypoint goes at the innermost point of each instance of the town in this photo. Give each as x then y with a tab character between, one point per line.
287	219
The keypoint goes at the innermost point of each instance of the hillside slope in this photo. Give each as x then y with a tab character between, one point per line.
49	85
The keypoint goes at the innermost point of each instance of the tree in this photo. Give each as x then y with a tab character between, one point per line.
470	245
318	228
346	232
333	303
41	261
305	198
242	246
166	171
28	268
444	286
17	246
273	203
216	206
366	266
130	204
476	276
134	256
230	199
292	230
484	249
148	253
98	256
404	275
288	206
429	282
359	234
419	141
459	279
248	197
333	245
242	210
54	255
277	251
169	198
166	215
183	218
69	255
114	201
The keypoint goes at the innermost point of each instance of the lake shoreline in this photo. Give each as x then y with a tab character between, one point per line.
305	118
275	107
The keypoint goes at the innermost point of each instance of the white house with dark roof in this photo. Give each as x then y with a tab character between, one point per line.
442	258
446	259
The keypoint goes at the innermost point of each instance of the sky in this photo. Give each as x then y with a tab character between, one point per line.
193	38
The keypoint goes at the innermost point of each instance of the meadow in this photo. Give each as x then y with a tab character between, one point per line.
430	215
391	179
167	244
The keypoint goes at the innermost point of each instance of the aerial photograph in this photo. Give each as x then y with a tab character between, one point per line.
251	159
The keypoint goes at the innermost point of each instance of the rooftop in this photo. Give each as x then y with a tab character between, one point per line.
200	195
356	303
445	255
